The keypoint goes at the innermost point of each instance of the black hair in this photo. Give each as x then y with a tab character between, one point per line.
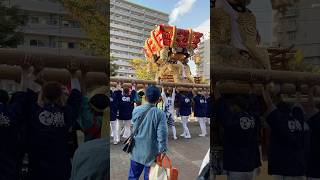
126	90
4	96
240	101
100	101
52	91
283	107
141	93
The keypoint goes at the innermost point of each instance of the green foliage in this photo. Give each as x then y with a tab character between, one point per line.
298	64
144	70
10	25
92	15
113	66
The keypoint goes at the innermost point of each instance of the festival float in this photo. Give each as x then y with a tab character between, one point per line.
170	49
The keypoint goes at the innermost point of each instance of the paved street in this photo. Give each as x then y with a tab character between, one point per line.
186	154
263	175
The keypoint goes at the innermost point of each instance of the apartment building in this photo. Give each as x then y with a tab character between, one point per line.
204	51
130	26
263	12
49	28
300	26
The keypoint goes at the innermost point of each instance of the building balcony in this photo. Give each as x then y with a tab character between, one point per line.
291	13
125	35
55	51
114	47
126	42
123	27
53	30
38	6
127	71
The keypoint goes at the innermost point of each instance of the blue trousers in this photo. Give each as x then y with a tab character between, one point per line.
136	170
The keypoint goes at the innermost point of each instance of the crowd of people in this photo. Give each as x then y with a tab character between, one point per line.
293	150
38	127
173	102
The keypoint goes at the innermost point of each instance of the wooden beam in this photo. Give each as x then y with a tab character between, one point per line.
50	74
17	57
114	80
263	76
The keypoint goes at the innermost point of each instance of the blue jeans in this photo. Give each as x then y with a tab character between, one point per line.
136	170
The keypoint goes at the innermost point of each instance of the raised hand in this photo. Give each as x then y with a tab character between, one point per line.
37	67
26	64
73	67
85	68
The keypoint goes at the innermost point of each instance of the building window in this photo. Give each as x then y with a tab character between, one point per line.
292	36
36	43
34	20
65	23
71	45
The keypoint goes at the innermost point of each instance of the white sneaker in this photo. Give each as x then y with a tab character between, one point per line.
202	135
187	137
115	142
175	137
182	135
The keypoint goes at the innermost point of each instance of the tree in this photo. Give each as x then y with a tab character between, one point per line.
10	26
113	66
298	64
144	70
92	15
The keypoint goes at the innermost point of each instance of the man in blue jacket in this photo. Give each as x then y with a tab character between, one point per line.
152	136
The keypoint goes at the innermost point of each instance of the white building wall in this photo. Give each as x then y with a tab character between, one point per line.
300	26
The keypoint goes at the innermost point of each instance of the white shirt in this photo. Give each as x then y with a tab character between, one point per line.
169	101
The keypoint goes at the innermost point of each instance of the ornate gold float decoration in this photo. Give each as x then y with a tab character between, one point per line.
170	48
235	36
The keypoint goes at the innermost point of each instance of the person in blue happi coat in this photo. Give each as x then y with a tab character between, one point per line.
126	99
12	116
114	106
240	136
313	156
286	155
184	99
200	110
49	119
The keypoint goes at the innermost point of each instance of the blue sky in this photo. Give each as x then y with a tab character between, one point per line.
199	12
193	14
